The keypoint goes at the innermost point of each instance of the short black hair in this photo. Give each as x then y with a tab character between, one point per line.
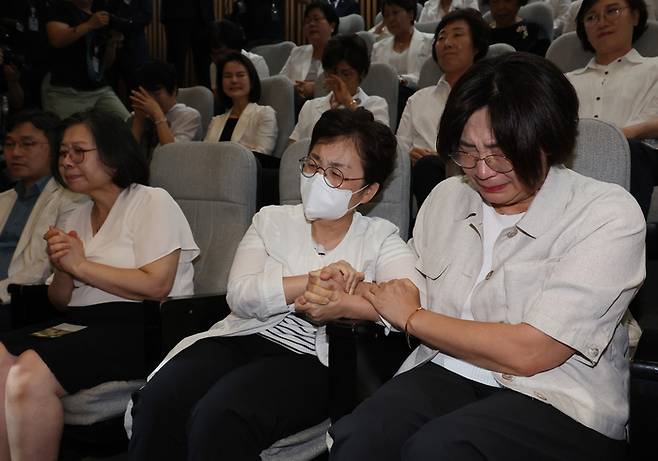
254	80
329	13
227	34
47	122
407	5
634	5
154	75
532	109
116	147
478	29
349	48
375	142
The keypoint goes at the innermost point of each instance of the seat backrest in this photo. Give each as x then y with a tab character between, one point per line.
278	92
215	186
369	38
427	27
200	98
382	80
538	12
392	203
567	53
430	73
275	55
602	153
351	24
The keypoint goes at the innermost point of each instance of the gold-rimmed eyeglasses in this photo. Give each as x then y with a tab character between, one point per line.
76	153
468	160
332	175
611	13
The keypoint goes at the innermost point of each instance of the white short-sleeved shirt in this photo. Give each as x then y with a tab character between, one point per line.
185	122
432	11
419	125
624	92
144	224
312	111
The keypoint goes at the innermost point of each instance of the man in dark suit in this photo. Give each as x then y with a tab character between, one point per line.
186	25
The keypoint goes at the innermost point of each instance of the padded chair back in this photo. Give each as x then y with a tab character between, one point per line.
275	55
567	53
200	98
602	153
382	80
278	92
430	73
392	202
215	186
369	38
351	24
538	12
427	27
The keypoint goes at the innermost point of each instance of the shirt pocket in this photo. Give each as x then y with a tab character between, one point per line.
435	271
524	283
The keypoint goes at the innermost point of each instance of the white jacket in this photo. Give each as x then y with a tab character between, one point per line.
420	49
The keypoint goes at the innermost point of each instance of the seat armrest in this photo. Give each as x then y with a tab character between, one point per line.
643	429
361	358
645	361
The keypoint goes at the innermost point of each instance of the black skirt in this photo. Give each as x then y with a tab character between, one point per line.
110	348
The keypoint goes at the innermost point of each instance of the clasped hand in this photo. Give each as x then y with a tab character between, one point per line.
394	300
323	299
65	251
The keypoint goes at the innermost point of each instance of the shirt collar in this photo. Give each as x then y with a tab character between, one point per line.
546	207
632	57
36	188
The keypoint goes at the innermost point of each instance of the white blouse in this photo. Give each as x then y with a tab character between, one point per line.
144	224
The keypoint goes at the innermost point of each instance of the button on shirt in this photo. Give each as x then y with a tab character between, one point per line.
419	124
16	221
624	92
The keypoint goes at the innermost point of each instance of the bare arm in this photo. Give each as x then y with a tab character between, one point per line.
60	289
61	34
643	130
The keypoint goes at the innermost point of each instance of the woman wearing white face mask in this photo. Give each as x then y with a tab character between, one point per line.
260	374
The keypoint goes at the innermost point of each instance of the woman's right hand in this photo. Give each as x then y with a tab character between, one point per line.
65	251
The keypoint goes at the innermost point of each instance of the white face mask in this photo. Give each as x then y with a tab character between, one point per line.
323	202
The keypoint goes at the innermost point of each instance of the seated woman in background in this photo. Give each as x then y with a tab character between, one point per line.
244	121
304	63
346	64
128	243
260	374
508	27
530	268
461	38
619	85
406	49
435	10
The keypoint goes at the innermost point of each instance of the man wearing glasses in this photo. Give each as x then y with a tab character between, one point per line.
35	202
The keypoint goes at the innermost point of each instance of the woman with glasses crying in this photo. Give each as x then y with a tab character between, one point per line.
529	268
128	243
261	373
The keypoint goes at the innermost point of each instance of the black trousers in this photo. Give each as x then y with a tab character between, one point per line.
430	413
227	398
644	173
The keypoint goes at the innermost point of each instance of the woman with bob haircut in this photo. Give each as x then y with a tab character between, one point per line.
346	64
260	374
304	63
461	38
530	268
619	85
245	121
128	243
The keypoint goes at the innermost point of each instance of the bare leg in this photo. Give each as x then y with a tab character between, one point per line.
34	413
6	361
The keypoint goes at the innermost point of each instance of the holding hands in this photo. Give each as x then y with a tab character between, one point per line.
65	251
394	300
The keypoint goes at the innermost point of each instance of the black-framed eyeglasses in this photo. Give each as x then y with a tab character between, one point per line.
25	144
611	13
468	160
332	175
76	153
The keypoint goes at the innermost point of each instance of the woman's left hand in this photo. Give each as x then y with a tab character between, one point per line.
66	251
394	300
320	314
142	101
305	88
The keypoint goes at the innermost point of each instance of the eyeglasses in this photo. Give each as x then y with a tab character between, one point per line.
611	13
332	175
496	162
309	19
26	145
76	153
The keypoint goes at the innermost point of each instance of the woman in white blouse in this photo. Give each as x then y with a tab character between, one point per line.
435	10
304	63
130	242
407	48
346	62
245	122
260	374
